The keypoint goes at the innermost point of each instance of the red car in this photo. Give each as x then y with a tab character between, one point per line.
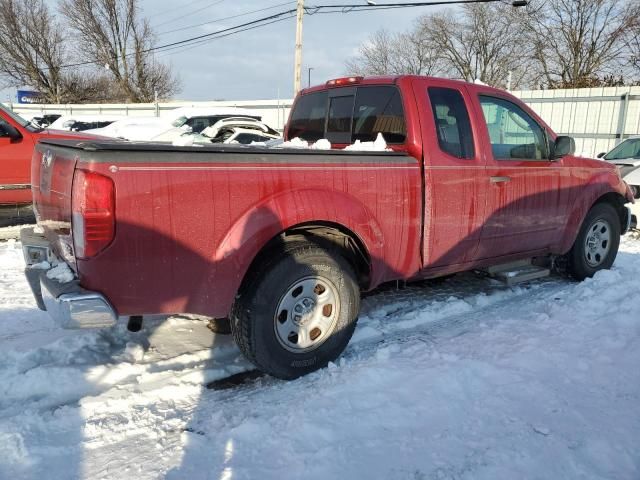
283	241
17	141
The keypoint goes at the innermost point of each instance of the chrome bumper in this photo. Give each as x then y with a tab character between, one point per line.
69	304
80	309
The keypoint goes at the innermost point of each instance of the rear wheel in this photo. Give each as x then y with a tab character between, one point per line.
298	311
597	243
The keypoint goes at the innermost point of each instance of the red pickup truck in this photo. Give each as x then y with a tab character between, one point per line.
17	141
283	241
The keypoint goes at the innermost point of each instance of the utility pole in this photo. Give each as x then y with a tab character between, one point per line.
298	61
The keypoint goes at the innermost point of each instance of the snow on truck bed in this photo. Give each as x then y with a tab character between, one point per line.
462	379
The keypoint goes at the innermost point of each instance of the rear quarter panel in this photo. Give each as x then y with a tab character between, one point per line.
189	225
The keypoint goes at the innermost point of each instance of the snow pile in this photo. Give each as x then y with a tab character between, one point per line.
322	144
61	273
294	143
379	145
464	379
41	266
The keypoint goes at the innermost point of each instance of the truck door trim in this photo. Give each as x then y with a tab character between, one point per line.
15	186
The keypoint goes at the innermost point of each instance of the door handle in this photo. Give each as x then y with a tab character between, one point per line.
500	179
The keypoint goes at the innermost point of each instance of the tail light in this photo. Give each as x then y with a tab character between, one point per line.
93	213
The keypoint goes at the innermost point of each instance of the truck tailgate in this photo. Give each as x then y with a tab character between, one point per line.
52	169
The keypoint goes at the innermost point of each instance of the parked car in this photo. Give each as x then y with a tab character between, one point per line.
81	123
283	241
627	157
17	141
187	119
41	120
243	130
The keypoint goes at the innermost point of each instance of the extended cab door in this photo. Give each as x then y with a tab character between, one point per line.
455	177
527	197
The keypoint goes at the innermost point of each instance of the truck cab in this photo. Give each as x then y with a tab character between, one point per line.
499	183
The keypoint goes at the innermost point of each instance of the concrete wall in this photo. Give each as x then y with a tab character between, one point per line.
598	118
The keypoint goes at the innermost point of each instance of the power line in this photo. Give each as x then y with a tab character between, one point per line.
189	14
344	8
180	49
171	10
218	20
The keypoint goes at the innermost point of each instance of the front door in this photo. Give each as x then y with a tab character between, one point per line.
526	197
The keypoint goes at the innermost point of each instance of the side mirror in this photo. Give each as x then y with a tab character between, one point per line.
562	147
602	154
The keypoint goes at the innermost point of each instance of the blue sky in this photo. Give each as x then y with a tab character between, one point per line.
258	64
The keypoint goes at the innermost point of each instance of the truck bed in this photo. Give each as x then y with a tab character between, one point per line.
190	220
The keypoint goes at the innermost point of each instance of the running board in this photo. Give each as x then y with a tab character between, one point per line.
517	272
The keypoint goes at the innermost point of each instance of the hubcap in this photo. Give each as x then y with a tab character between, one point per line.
597	243
306	314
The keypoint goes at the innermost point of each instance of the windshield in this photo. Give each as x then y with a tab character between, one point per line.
179	122
16	118
627	149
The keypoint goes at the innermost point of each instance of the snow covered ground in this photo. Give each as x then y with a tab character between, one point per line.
465	379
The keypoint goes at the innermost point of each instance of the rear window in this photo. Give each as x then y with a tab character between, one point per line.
340	114
308	117
379	110
345	118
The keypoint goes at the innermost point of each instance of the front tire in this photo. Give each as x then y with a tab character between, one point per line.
298	311
597	243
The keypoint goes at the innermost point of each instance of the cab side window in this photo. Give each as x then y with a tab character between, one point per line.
512	132
453	126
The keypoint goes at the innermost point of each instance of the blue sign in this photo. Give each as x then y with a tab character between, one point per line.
29	96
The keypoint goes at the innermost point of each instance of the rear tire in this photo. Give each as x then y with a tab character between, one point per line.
597	243
298	311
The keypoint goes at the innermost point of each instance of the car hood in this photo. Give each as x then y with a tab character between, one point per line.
632	162
134	131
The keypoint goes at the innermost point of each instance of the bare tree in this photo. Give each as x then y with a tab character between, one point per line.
111	33
31	47
577	43
392	54
632	43
479	44
33	53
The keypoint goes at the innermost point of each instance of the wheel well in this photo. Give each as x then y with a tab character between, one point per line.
617	201
336	236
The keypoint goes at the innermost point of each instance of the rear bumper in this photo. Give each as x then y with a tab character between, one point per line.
68	303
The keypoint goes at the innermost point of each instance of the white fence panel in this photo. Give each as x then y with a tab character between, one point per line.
598	118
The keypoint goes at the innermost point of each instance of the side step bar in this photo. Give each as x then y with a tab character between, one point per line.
517	272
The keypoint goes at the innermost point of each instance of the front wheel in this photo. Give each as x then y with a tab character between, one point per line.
298	311
597	243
